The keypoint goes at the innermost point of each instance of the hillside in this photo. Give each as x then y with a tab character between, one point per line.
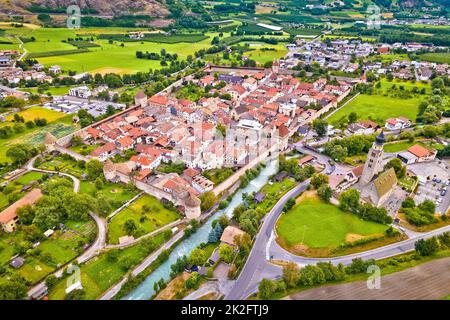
101	7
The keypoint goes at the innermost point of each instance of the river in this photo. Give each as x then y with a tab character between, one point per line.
145	290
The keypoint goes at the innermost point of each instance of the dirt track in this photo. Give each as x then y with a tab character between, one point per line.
427	281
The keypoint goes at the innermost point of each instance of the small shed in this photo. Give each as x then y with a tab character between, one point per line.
17	262
259	197
280	176
49	233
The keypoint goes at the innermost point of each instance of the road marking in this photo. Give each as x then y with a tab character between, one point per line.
268	245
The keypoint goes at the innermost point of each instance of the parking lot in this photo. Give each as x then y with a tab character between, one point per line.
434	183
433	190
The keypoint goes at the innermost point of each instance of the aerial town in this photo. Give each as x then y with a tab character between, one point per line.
260	155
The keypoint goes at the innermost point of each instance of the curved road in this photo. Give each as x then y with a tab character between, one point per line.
99	242
265	248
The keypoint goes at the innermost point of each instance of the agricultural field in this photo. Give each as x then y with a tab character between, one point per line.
38	112
379	107
107	57
313	224
147	212
59	124
443	57
60	248
263	52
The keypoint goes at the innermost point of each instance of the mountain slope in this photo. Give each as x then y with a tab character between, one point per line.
102	7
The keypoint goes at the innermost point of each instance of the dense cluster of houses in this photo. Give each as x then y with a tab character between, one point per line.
339	54
262	110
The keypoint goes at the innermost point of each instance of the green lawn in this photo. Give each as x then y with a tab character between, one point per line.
404	145
320	225
155	218
101	273
273	192
54	91
116	193
218	175
378	107
29	177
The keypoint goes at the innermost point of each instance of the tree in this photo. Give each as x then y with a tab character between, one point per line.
266	288
193	281
207	200
289	204
20	153
77	294
352	117
320	126
99	183
427	247
13	289
311	275
437	83
197	257
94	169
325	193
26	214
215	233
399	168
130	227
226	253
319	179
408	203
427	206
291	274
349	200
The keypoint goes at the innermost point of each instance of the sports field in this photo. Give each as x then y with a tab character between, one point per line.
316	224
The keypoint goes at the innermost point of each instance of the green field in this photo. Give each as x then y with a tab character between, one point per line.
155	218
116	193
60	248
107	58
262	56
59	124
403	145
30	176
378	107
320	225
439	57
100	273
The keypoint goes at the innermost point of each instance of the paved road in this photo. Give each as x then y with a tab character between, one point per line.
99	242
257	266
265	248
427	281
